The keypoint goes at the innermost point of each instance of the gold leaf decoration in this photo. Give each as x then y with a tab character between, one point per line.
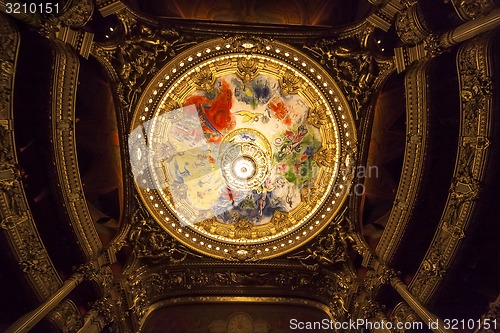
203	78
325	157
317	116
309	194
243	229
290	83
247	69
170	105
281	221
207	224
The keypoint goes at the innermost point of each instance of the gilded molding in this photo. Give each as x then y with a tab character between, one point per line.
414	158
146	286
63	26
65	82
76	14
476	95
434	45
16	222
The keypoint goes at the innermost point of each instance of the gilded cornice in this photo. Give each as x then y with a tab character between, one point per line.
414	159
476	96
65	79
17	223
146	286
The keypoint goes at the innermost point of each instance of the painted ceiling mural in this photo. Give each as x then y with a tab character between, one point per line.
238	152
242	149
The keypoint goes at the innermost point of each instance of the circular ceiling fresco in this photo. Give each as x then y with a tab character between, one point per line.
242	149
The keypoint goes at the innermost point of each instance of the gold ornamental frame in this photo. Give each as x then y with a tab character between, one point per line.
197	69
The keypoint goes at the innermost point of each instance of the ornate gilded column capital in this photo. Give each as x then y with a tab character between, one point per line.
375	279
102	313
403	313
410	25
66	316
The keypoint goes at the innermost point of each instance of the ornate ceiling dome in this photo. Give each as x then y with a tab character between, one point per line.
242	149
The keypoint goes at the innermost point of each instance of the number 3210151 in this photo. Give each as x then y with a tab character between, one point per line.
31	8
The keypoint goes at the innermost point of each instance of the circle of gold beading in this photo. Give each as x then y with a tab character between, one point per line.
245	165
198	68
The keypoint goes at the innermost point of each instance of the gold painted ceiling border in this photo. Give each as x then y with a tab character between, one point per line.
66	69
16	221
476	110
414	159
236	300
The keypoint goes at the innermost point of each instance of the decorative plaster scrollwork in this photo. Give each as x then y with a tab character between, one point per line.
204	78
290	83
247	69
352	65
139	56
329	248
78	14
150	287
150	242
248	44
